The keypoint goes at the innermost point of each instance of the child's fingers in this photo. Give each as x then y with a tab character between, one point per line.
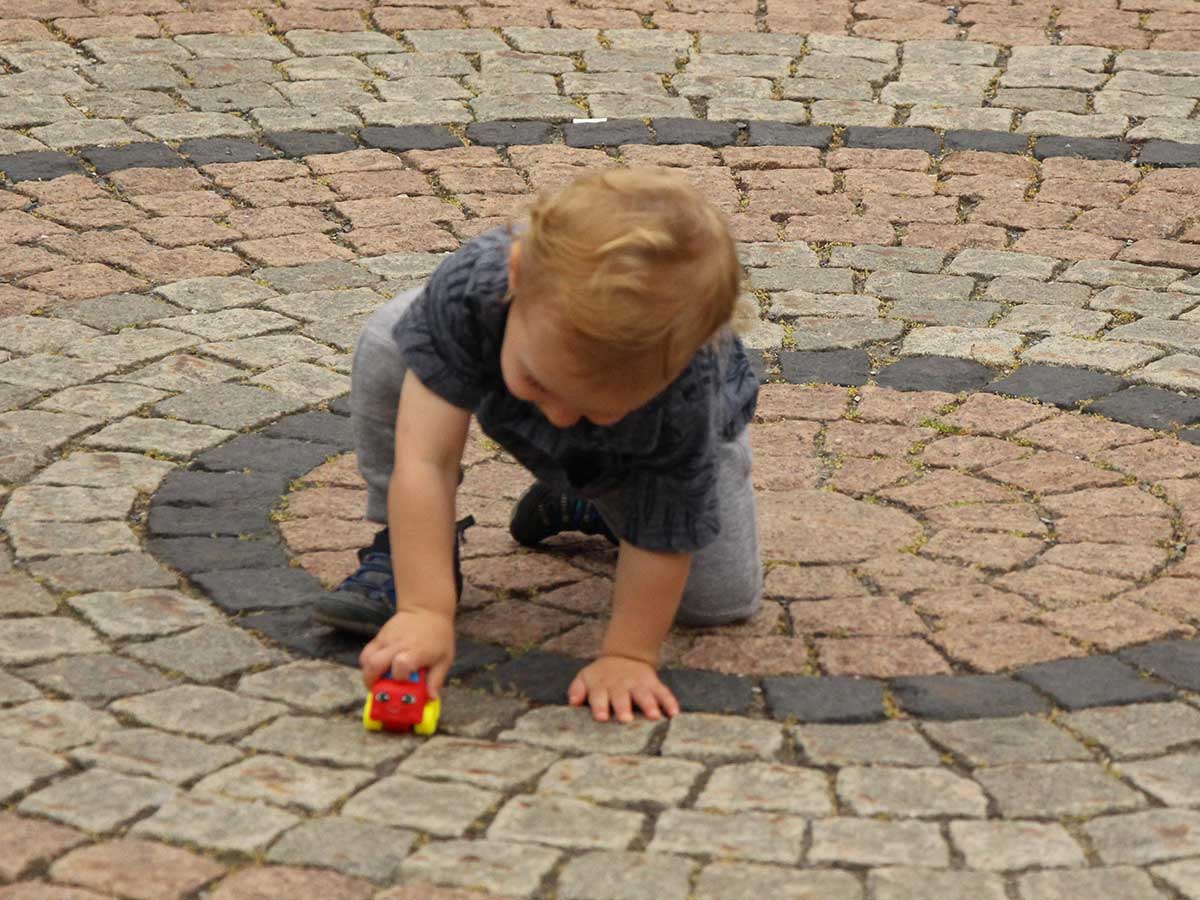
647	702
577	692
599	702
666	699
365	659
403	664
384	659
437	677
373	661
622	705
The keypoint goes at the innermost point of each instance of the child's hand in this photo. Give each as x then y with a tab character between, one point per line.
621	682
410	640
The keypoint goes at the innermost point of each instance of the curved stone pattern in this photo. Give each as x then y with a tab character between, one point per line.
908	536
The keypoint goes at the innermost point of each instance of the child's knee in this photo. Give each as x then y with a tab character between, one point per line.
719	609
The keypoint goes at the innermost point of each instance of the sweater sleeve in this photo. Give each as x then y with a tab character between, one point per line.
441	336
670	500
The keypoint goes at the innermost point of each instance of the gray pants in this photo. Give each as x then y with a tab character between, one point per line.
726	580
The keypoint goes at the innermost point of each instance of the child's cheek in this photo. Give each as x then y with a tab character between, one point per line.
511	383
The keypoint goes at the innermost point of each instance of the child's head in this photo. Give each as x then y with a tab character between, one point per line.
617	282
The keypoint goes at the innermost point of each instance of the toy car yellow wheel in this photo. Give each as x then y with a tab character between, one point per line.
369	723
429	718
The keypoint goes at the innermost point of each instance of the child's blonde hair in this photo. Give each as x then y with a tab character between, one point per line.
638	265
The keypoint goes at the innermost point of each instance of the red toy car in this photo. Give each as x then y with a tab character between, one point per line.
402	705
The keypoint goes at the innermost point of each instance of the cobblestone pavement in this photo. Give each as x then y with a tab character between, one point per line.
972	239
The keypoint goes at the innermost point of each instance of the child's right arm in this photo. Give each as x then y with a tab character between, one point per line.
430	437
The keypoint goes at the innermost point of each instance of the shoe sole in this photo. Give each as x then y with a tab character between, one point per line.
354	626
515	532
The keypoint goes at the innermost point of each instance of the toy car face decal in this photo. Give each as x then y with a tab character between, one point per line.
401	705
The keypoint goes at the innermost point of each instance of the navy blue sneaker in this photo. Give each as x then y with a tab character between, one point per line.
367	599
544	511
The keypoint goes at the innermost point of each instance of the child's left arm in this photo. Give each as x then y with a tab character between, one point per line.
649	586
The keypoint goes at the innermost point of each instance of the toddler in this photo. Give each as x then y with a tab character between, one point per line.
593	345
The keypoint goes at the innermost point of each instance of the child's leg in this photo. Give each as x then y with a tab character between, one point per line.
366	599
726	581
375	380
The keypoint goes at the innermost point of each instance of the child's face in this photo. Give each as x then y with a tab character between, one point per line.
539	368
